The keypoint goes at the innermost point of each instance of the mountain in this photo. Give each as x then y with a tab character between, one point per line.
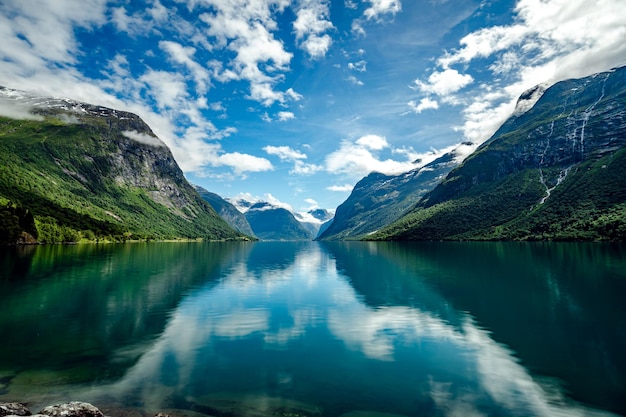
554	171
314	219
227	211
72	171
378	199
270	222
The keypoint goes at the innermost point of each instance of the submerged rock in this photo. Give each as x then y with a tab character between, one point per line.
72	409
14	409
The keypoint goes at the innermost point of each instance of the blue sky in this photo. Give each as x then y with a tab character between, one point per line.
294	101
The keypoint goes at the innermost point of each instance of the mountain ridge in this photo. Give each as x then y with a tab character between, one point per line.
555	171
92	173
379	199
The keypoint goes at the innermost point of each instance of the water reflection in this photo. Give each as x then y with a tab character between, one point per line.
355	329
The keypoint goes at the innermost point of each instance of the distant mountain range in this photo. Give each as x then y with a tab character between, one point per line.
556	169
272	222
71	171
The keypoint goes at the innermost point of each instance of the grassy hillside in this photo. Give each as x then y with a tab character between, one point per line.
75	181
556	172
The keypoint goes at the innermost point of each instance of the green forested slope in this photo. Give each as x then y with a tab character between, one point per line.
558	171
87	179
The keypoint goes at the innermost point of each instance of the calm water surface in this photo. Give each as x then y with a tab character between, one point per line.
316	329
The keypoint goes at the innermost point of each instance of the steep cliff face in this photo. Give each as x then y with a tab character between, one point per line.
86	171
555	171
378	199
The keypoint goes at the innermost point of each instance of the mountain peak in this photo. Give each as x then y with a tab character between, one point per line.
91	172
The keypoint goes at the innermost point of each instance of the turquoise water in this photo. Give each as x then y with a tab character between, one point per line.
318	329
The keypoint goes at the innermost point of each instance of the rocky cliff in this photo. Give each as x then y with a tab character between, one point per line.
90	172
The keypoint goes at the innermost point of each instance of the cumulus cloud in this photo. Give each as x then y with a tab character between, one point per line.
379	8
444	83
359	158
312	21
283	116
246	29
424	104
241	163
373	142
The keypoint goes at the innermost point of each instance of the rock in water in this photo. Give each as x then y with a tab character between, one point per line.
13	409
72	409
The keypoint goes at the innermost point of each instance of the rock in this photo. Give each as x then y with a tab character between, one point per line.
72	409
13	409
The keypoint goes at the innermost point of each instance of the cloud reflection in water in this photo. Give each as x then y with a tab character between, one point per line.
300	330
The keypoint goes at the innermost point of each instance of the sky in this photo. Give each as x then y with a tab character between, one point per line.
295	101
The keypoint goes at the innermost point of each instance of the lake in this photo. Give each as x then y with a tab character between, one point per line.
303	329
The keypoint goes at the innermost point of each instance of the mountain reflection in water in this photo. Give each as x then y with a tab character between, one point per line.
333	329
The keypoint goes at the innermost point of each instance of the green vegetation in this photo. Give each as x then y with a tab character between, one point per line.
557	172
88	182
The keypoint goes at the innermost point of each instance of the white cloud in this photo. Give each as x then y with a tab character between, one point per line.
312	21
292	95
168	89
360	66
357	159
444	83
313	205
245	28
382	7
184	56
317	46
357	28
373	142
285	153
35	33
355	80
276	202
283	116
143	138
302	168
13	108
241	163
424	104
341	188
485	42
